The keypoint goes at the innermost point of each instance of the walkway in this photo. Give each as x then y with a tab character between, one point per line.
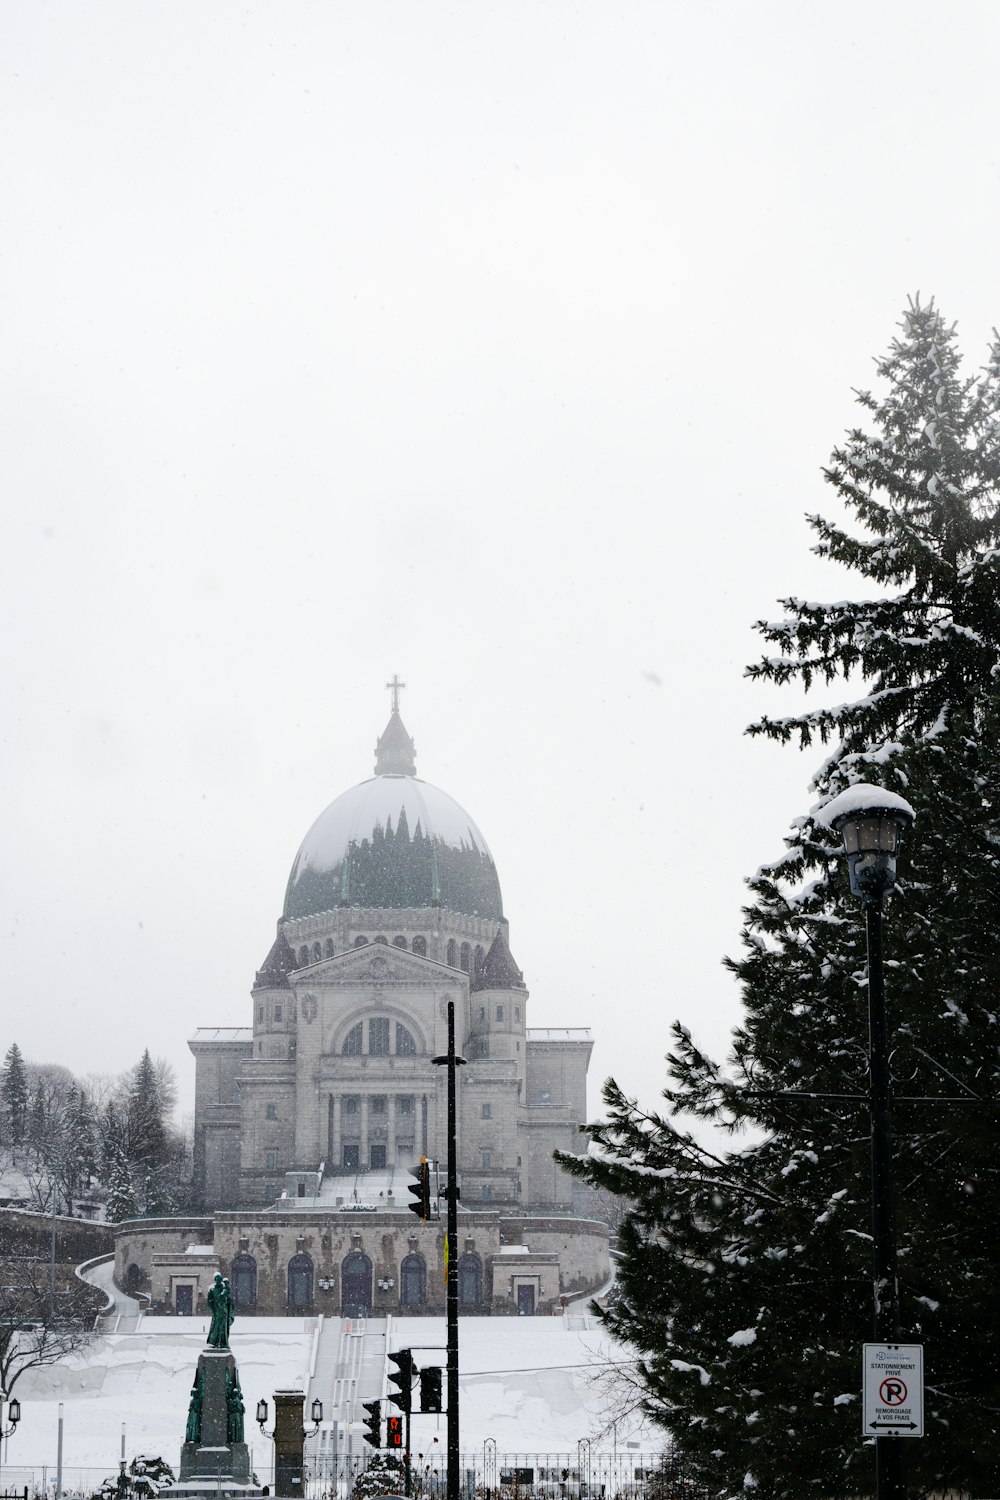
349	1370
123	1313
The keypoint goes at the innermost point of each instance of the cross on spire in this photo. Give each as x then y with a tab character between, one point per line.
394	687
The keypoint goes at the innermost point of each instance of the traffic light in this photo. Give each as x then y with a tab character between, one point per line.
402	1378
394	1432
430	1388
421	1190
373	1423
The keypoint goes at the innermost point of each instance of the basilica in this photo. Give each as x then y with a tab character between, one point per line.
309	1119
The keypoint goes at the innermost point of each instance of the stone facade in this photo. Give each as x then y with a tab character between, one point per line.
350	1263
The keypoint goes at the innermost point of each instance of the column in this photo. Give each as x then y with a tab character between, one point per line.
365	1150
336	1152
390	1130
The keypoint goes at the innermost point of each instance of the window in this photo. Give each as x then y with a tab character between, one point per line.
413	1281
350	1104
260	1012
480	956
317	953
499	1012
359	942
270	1192
353	1041
404	1104
487	1112
303	954
244	1275
378	1037
300	1282
382	938
486	1161
378	1104
399	942
486	1192
277	1012
270	1163
405	1045
452	953
420	946
470	1281
482	1012
270	1112
328	948
517	1012
465	959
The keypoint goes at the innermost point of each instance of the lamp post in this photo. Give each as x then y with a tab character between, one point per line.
13	1415
871	821
452	1061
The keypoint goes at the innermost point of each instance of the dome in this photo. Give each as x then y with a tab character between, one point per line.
394	841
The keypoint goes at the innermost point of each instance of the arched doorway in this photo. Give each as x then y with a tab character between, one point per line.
470	1282
413	1281
244	1277
356	1286
300	1283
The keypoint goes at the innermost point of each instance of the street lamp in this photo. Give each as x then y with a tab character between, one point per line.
13	1415
871	821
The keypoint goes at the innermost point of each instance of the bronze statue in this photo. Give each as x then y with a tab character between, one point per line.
192	1433
234	1409
220	1305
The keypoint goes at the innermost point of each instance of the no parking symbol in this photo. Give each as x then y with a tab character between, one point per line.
894	1390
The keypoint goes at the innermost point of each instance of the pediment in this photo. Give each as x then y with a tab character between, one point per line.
376	965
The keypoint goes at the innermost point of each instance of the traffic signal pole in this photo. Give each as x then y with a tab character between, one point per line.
453	1063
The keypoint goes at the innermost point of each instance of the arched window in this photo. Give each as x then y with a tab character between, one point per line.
413	1281
399	942
420	946
405	1045
480	957
244	1275
382	939
466	958
470	1282
303	954
356	1286
328	948
452	954
360	941
317	953
378	1036
300	1283
354	1041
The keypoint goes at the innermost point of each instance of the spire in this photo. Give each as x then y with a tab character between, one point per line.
395	751
498	971
273	973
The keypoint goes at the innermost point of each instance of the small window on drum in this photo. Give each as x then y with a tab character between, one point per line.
360	941
399	942
303	955
382	938
452	954
465	959
328	948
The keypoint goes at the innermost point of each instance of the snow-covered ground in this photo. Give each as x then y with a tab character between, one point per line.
532	1384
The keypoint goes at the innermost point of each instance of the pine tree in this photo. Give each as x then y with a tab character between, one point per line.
746	1280
14	1093
121	1201
147	1132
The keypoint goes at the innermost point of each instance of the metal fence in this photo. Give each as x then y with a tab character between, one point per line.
486	1475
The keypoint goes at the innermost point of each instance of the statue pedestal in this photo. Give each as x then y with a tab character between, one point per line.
216	1464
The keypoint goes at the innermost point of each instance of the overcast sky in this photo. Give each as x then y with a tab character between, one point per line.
496	345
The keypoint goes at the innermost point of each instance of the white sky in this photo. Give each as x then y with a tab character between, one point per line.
499	345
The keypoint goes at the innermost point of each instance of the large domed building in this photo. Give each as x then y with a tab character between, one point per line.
314	1112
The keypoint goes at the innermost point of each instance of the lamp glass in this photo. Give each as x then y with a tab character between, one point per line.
14	1410
871	833
261	1411
317	1410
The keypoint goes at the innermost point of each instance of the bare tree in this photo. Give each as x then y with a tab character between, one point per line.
37	1327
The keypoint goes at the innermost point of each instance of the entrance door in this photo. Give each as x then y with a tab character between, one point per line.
378	1158
356	1286
184	1301
352	1156
525	1301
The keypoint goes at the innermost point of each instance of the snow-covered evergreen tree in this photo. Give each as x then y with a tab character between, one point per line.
746	1284
121	1201
14	1093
